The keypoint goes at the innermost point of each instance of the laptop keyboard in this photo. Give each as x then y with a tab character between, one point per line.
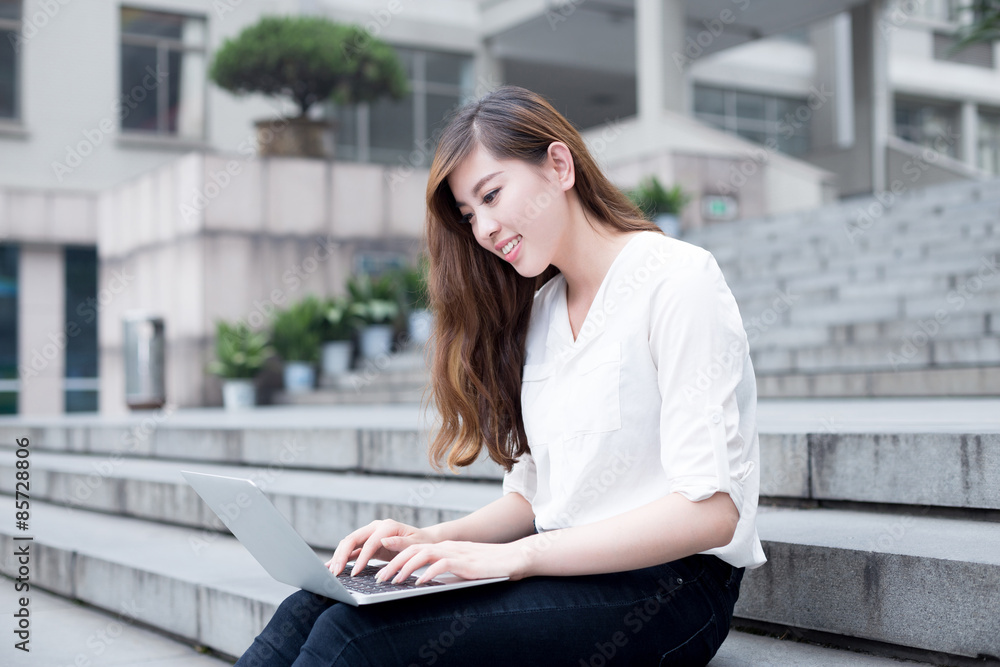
365	582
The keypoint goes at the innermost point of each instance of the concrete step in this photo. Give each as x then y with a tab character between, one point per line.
915	350
957	325
847	450
414	393
915	469
369	437
914	382
917	581
66	632
746	649
925	583
322	506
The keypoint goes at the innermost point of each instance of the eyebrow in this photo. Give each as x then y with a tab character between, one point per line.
479	185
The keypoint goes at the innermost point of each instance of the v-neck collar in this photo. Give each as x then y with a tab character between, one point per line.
561	305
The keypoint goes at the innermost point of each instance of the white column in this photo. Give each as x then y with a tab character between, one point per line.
660	59
872	98
41	329
969	129
487	68
833	123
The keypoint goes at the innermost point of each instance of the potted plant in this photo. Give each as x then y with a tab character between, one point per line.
295	336
660	205
338	325
375	302
413	283
239	355
308	59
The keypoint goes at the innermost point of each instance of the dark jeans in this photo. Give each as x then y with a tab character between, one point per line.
677	613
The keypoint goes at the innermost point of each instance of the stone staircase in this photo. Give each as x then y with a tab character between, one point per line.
880	518
887	295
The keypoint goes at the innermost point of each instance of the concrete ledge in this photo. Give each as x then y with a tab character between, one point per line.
950	470
173	578
919	382
913	581
322	506
929	587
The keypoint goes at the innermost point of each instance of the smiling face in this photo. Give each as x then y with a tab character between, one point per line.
511	199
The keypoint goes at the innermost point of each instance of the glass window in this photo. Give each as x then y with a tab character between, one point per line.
709	100
979	54
81	329
387	131
988	157
927	123
391	131
163	73
8	329
755	116
444	67
749	105
10	28
439	107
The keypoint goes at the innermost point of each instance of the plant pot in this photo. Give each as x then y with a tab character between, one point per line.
300	377
376	339
419	326
669	223
238	394
337	357
297	137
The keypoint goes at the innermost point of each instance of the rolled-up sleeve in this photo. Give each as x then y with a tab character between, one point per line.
521	478
699	347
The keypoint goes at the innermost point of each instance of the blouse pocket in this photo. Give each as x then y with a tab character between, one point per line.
536	414
593	398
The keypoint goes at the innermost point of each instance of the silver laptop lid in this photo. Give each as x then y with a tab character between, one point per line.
267	535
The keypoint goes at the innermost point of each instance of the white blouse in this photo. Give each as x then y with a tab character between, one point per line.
656	395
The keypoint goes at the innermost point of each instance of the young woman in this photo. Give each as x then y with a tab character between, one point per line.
605	366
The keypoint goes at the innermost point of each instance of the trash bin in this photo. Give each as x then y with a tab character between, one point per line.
143	350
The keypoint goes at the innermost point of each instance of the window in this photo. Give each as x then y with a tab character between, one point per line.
930	124
8	329
388	131
162	74
10	28
988	153
979	55
757	117
81	330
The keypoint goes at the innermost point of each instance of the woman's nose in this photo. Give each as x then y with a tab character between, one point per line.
488	228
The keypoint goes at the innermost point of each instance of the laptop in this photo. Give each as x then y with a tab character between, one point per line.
267	535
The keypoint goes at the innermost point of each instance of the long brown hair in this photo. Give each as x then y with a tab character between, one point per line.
481	304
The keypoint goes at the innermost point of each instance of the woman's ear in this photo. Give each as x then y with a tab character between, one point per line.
561	162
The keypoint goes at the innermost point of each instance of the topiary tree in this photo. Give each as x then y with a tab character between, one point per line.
308	59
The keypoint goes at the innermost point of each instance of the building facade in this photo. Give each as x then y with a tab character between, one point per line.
128	181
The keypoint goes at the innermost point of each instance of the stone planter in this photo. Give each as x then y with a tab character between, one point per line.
300	377
295	137
337	357
419	326
376	339
238	394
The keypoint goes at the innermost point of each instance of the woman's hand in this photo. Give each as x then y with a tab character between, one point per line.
381	539
470	560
